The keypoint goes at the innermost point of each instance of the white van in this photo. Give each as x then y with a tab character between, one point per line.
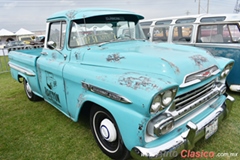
218	33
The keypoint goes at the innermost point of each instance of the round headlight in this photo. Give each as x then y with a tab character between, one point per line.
156	104
162	100
167	97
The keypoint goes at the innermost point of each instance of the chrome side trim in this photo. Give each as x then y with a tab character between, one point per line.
105	93
21	69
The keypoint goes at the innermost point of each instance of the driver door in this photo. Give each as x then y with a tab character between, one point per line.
50	67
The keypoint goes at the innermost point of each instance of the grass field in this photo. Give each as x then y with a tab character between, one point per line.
3	63
36	130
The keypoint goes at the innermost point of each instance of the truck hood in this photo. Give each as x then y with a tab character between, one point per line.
145	57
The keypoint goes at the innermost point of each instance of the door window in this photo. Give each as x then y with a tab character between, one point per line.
57	33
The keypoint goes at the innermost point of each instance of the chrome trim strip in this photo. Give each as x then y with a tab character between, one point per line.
105	93
21	69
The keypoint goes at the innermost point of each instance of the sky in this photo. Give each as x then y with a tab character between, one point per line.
32	14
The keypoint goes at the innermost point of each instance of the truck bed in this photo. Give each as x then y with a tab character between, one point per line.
23	64
25	58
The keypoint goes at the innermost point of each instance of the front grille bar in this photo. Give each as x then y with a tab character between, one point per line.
184	100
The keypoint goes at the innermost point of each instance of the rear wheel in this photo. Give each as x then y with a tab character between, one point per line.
107	135
28	90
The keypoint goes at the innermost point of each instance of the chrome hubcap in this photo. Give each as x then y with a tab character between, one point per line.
29	90
108	130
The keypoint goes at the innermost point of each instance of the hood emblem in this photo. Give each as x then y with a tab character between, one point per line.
206	74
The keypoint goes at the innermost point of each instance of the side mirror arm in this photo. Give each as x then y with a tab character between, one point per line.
53	46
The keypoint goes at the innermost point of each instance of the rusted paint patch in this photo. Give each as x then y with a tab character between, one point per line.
54	55
77	55
141	129
71	14
80	100
198	59
102	78
114	57
166	82
139	82
176	69
61	63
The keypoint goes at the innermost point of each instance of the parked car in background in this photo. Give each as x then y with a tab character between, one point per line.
15	44
219	34
2	45
26	39
38	40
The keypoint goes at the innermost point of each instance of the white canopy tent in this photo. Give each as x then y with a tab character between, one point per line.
106	28
23	32
5	35
4	32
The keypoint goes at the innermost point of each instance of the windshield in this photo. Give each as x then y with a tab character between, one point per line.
103	29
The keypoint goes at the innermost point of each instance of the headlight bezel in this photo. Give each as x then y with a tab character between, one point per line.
163	100
225	72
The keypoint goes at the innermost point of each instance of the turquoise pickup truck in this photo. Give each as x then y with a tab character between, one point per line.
144	100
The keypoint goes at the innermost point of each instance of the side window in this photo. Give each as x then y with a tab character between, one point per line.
182	33
212	33
146	30
234	32
160	34
57	33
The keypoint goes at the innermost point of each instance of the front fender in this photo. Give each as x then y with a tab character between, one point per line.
131	124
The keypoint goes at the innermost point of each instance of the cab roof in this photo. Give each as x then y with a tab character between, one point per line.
81	13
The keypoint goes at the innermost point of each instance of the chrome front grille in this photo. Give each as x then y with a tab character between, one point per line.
194	96
189	101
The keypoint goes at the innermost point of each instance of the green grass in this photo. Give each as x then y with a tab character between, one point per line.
3	64
36	130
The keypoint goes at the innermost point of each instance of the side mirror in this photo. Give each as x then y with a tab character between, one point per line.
51	45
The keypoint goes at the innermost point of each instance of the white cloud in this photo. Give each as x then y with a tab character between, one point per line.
9	6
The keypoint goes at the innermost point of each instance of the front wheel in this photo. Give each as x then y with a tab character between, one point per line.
28	90
107	135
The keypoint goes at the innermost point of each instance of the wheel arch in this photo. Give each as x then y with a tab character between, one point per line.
20	77
130	123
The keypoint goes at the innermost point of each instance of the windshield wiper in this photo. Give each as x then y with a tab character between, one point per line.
103	43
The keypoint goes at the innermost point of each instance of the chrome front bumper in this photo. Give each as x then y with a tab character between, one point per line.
187	139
